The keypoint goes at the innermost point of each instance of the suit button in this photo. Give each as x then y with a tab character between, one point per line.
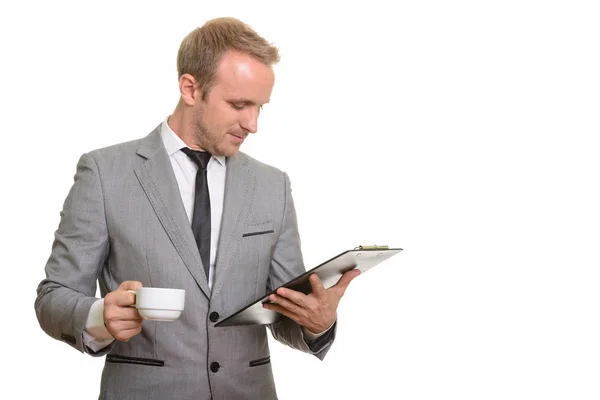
214	316
214	367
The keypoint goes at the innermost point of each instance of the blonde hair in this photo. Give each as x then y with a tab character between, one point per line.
201	50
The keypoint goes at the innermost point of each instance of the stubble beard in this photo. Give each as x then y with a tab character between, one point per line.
202	136
209	141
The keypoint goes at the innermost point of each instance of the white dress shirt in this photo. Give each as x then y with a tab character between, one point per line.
95	335
185	172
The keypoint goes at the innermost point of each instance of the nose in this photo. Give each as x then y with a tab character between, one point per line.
249	120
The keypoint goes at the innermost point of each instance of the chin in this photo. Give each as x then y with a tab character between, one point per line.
228	151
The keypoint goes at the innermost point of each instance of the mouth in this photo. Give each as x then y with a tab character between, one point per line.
238	138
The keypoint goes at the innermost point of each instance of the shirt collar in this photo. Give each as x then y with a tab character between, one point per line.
173	143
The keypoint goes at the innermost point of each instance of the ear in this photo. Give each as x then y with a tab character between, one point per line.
189	90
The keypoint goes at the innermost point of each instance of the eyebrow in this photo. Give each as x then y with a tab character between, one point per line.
245	102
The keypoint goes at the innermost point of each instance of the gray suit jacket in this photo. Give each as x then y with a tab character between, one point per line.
124	219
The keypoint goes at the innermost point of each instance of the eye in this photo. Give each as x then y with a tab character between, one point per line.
237	106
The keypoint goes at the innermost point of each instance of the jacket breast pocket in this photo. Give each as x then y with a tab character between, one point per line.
258	229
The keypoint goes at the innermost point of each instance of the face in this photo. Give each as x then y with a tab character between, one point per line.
230	112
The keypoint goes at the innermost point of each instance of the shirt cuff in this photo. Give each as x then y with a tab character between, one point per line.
309	336
95	335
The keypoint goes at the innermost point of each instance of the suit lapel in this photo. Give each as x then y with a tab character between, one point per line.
239	189
158	181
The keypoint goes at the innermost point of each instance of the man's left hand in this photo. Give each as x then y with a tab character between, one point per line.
315	311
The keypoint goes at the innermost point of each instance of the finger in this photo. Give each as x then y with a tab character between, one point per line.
119	326
122	314
124	329
117	315
345	280
317	286
123	298
126	334
288	305
294	296
281	310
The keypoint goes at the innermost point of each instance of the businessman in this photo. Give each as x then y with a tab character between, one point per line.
184	208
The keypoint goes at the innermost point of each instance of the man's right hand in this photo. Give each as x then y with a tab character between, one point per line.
121	319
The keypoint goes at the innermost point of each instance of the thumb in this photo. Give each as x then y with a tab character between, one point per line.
130	285
347	278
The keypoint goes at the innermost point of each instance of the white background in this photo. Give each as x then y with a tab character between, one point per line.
464	132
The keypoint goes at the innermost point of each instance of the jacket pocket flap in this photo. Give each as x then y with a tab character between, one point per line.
114	358
263	228
260	361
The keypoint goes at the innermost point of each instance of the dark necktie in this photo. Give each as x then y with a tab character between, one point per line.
201	214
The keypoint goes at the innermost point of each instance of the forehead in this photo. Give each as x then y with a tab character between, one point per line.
241	76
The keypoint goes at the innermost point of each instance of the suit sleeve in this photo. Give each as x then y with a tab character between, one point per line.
287	263
79	252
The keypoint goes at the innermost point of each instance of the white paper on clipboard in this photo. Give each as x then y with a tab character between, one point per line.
363	257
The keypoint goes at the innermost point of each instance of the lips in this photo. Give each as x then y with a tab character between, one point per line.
239	137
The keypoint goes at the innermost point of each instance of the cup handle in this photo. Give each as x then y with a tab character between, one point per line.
135	294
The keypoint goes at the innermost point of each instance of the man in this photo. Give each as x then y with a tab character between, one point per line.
183	208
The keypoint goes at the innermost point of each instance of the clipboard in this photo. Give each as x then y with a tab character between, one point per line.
362	257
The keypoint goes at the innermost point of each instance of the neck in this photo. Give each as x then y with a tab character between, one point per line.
181	122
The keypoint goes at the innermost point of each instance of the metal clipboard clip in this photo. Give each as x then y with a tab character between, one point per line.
374	247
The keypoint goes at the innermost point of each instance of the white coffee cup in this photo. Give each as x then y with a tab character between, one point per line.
159	304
